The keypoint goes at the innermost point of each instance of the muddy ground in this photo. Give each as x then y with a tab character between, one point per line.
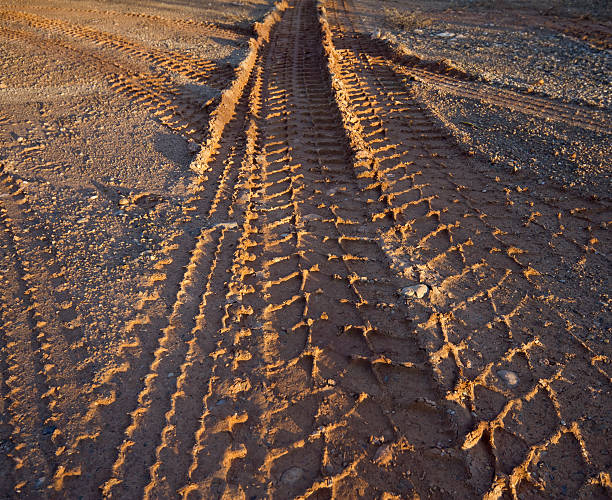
333	249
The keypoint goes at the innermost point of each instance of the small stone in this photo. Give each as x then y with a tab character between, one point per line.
123	202
292	475
419	291
81	220
511	379
384	455
227	225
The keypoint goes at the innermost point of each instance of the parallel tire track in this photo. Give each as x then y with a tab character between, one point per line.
278	353
195	319
307	318
122	382
212	208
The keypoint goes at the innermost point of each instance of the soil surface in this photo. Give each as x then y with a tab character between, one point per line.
256	250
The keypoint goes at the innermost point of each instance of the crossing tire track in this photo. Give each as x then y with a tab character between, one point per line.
179	109
453	81
221	30
195	68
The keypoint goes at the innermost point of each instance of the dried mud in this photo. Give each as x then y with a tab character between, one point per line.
278	344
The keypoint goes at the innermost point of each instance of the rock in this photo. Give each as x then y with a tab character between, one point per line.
123	202
511	379
384	455
419	291
292	475
227	225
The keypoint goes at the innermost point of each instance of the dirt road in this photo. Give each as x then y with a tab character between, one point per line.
282	346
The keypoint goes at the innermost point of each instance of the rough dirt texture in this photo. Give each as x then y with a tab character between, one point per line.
343	303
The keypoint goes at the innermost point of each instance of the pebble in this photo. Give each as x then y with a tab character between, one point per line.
419	291
292	475
193	147
227	225
384	455
511	379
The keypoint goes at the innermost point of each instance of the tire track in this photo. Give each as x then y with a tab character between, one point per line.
169	471
221	30
452	81
299	338
23	386
118	388
215	167
598	35
197	322
42	346
176	107
195	68
513	298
